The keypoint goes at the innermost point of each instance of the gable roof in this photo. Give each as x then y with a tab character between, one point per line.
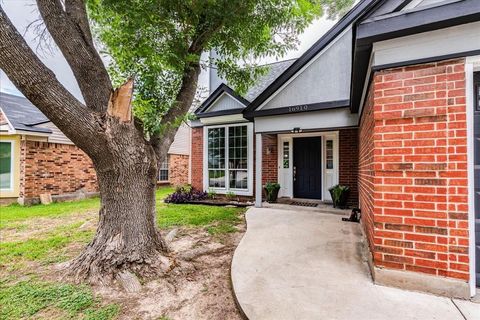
22	114
222	89
274	70
351	17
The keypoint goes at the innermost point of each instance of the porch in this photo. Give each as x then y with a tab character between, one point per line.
307	164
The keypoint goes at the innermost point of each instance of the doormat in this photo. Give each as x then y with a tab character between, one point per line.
304	204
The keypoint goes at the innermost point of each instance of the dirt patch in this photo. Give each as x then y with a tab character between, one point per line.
198	288
36	227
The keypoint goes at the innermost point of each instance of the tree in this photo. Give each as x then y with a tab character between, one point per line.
126	132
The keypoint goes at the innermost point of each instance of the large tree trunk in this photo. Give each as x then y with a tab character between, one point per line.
127	238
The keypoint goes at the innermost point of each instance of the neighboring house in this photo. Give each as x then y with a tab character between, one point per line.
37	158
176	170
386	102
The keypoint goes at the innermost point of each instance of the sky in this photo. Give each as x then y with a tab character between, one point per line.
23	12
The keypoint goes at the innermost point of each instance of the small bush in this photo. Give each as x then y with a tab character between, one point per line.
186	194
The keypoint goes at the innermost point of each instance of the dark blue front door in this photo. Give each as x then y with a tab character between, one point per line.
307	168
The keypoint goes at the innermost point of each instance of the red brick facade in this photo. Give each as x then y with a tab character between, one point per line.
197	158
178	169
269	158
413	169
348	163
54	168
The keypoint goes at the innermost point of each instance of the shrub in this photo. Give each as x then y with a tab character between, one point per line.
185	194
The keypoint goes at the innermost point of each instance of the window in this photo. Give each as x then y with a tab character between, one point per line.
286	154
238	157
163	172
6	160
228	158
329	155
216	158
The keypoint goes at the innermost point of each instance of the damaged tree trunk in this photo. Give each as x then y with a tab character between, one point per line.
127	238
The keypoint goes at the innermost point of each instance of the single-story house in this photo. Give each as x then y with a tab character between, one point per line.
37	158
386	102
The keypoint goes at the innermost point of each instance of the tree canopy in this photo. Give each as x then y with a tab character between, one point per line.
154	41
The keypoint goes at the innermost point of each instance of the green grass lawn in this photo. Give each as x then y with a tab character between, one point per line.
60	228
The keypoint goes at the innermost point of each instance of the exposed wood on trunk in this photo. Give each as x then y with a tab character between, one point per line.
120	103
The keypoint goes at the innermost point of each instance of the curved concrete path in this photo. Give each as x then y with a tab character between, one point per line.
309	265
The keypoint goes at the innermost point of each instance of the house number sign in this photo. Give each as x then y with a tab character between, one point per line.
298	108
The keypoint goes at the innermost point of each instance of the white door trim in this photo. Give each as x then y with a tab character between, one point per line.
472	65
288	192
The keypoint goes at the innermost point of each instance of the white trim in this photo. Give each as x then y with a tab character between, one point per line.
305	66
289	137
12	166
240	192
220	96
470	64
234	118
258	172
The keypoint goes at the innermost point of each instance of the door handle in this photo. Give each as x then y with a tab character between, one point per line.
294	173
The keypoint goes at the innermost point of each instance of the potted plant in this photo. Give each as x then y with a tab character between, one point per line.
339	196
271	191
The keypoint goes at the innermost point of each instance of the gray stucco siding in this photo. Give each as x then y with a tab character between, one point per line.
442	42
326	78
316	120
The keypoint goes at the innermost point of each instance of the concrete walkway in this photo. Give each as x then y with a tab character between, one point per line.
299	264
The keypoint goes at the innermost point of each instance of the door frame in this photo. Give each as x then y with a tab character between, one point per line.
285	176
472	64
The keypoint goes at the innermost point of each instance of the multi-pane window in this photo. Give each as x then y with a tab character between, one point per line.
6	165
216	158
227	157
238	157
163	172
329	154
286	154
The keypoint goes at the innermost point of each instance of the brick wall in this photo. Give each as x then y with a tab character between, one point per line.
366	173
413	169
269	158
178	169
197	158
54	168
348	163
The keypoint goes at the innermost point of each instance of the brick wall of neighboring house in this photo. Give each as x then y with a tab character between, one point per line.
178	169
54	168
197	158
269	158
413	179
348	163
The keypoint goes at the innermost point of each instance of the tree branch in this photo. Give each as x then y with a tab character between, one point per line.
41	87
71	33
180	108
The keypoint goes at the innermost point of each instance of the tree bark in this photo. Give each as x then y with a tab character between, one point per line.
127	238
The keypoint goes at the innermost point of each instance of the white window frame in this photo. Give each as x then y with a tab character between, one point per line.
240	192
12	162
167	160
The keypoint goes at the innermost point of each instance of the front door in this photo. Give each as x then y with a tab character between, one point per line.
476	164
307	168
